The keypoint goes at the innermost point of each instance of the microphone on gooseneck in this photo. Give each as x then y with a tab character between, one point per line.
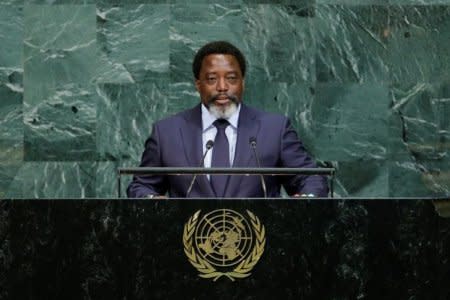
209	145
252	142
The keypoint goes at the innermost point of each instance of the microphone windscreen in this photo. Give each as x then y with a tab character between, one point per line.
209	144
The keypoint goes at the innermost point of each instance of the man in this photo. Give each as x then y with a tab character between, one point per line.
182	140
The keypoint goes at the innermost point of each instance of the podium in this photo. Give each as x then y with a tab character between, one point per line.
136	249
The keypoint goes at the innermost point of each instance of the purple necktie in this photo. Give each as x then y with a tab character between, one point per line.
220	157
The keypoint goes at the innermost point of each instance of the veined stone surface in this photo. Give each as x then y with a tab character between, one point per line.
365	83
11	94
59	99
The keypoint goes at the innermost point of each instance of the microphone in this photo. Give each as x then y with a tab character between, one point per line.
209	145
252	142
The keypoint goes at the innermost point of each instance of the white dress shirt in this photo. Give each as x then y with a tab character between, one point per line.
209	133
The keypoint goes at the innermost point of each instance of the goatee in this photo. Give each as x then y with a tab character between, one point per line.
223	111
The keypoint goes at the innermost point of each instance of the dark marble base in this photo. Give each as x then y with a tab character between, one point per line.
316	249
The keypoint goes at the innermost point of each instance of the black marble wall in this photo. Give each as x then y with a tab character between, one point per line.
318	249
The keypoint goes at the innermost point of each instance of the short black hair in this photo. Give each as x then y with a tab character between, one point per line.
217	47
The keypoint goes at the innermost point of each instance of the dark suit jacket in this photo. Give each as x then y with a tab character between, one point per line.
177	142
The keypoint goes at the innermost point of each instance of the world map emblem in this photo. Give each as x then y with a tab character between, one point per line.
224	243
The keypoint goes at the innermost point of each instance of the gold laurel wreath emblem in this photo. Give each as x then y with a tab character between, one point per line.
242	270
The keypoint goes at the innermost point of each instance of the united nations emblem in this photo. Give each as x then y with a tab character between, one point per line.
224	243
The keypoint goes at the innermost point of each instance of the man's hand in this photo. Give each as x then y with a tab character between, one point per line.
303	196
154	196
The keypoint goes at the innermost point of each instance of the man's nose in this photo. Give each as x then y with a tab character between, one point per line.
222	85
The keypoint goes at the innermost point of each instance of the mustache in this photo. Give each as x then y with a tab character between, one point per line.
233	98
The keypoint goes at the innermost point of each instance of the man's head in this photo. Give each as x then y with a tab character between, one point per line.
219	70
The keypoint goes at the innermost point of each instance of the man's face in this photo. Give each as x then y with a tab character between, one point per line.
220	84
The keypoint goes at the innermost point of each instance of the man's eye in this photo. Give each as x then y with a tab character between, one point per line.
231	78
211	79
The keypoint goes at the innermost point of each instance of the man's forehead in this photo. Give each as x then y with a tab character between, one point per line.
220	61
215	71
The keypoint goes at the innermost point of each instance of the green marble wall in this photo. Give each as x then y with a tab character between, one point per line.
366	83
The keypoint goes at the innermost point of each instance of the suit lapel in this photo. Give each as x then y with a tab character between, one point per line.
191	135
248	126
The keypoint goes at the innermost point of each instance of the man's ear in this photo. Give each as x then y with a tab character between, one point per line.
197	84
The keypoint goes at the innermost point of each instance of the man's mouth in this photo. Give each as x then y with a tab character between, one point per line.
223	99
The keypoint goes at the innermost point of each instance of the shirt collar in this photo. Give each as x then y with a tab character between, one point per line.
208	119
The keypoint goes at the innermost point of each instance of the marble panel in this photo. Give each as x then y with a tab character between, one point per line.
292	100
59	98
349	121
383	2
132	2
436	176
11	2
11	122
108	135
280	43
11	33
11	94
62	126
419	124
367	178
86	2
419	39
133	41
127	112
353	2
53	180
214	2
12	81
302	3
182	96
8	171
11	88
57	2
410	178
50	71
418	2
351	43
106	179
307	4
68	27
192	26
11	128
59	47
137	116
